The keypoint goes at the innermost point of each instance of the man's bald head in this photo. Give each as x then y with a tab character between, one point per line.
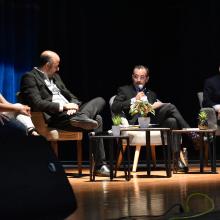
48	56
49	62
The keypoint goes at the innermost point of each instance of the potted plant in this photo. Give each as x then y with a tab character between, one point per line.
142	108
203	120
117	121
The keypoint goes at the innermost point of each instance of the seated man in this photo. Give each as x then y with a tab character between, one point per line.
211	94
43	90
16	116
166	114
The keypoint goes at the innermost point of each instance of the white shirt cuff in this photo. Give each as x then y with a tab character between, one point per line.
61	107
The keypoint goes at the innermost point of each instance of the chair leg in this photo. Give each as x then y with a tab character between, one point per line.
153	154
54	146
136	157
79	156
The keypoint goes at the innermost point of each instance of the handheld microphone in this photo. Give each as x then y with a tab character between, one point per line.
140	87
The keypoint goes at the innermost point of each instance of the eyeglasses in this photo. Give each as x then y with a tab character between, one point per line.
139	77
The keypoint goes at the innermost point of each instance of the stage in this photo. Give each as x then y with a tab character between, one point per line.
146	197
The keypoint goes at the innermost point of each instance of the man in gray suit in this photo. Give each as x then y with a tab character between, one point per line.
43	90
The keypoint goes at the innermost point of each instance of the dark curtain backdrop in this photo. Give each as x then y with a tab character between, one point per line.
99	43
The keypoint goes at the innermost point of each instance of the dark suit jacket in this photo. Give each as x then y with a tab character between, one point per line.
211	92
122	102
36	94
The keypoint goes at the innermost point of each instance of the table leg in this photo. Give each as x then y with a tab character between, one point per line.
202	153
128	158
213	151
169	173
91	163
123	153
176	150
111	159
148	151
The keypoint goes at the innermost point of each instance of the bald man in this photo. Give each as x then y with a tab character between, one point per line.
43	90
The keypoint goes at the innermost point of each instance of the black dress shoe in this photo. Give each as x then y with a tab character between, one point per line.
102	171
83	122
180	167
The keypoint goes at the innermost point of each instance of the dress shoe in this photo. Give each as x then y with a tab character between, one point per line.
83	122
102	171
181	167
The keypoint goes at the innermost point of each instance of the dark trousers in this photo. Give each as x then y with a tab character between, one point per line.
11	128
91	109
170	111
169	116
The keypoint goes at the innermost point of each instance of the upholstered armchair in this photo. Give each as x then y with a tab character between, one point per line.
212	121
212	118
54	135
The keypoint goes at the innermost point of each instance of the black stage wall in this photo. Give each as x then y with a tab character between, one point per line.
99	43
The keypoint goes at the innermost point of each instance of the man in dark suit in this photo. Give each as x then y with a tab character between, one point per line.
43	90
211	93
166	114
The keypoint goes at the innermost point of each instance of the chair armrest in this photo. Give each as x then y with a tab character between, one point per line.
212	119
124	121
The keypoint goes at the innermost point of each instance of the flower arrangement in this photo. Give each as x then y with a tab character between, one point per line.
142	108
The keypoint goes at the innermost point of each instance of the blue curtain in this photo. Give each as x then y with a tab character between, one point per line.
18	42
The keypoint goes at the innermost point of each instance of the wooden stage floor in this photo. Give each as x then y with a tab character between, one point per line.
145	198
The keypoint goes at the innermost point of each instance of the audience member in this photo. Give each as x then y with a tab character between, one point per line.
15	118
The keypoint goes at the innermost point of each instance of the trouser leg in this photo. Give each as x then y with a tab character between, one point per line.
98	145
93	107
26	120
170	111
172	124
12	128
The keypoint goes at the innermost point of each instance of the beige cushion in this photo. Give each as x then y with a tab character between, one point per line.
139	138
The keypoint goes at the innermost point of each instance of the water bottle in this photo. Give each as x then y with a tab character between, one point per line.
185	155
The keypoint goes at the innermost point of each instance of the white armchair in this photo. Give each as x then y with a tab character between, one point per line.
138	139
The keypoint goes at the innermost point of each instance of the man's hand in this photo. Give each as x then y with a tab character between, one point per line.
71	106
24	110
71	112
157	104
140	95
